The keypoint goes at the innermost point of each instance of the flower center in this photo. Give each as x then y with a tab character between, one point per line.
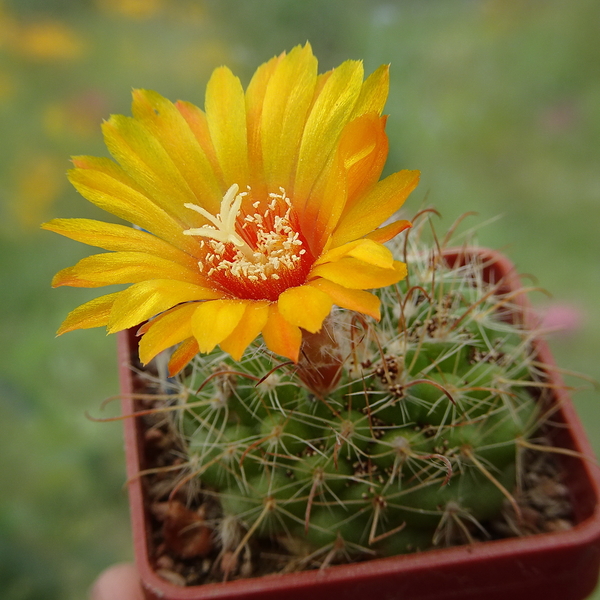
256	254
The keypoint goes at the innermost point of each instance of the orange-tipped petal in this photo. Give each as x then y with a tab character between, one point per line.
104	184
328	116
166	330
167	126
374	92
94	313
142	301
363	150
182	356
247	330
380	203
355	274
365	250
196	120
123	267
69	277
143	158
356	167
280	336
111	236
214	321
305	307
324	206
356	300
384	234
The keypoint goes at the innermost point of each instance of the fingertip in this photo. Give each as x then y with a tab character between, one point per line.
119	582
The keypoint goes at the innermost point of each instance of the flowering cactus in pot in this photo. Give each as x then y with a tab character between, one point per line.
295	421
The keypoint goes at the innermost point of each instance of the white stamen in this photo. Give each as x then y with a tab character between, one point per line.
223	229
277	246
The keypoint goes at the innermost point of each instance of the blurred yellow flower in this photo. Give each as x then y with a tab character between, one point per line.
133	9
47	41
252	217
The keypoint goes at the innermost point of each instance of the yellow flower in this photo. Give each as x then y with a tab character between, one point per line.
252	217
47	41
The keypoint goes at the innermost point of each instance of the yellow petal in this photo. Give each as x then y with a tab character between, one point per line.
374	92
280	336
355	274
357	300
363	151
94	313
213	321
328	116
183	355
380	203
364	249
104	184
247	330
144	300
106	166
324	206
384	234
226	116
123	267
143	158
305	307
255	95
196	120
356	166
166	330
111	236
287	100
69	277
166	124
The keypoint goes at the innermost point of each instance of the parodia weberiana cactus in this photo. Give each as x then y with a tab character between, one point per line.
386	438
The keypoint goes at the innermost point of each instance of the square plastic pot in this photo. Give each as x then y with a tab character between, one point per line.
553	566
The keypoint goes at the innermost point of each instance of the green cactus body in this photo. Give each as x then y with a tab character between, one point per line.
415	445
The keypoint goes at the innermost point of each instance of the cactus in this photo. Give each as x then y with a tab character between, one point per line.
385	438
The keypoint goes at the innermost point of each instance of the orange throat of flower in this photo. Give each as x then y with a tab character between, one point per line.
253	254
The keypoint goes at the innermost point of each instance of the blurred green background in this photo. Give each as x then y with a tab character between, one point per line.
497	102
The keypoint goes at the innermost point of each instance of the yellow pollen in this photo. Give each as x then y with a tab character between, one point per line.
277	248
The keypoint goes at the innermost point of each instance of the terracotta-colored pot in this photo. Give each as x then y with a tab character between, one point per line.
553	566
